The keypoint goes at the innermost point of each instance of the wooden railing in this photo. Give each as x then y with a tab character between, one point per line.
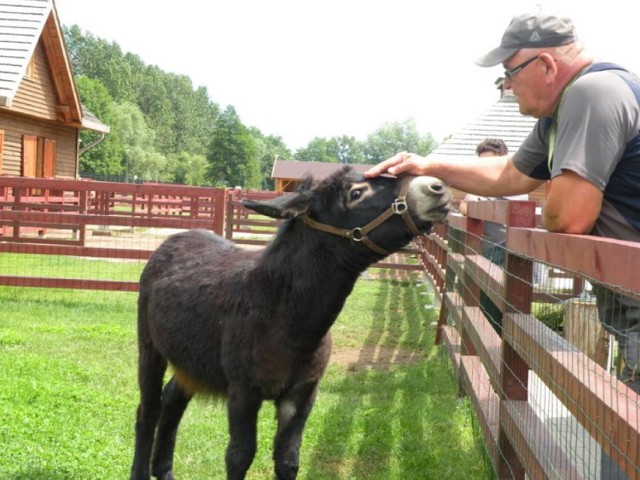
51	217
504	375
63	217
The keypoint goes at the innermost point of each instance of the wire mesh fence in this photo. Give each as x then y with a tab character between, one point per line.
93	235
543	331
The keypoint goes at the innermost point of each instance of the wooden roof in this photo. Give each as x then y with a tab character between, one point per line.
20	29
297	170
501	120
22	24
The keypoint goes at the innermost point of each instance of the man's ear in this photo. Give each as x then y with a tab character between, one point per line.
551	68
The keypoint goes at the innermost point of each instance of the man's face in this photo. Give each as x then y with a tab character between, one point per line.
524	75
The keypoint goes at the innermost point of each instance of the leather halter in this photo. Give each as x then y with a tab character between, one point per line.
360	234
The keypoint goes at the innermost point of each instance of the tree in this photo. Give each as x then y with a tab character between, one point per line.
140	157
149	165
157	115
342	149
396	137
233	154
106	157
182	117
269	149
154	102
98	59
192	117
187	169
319	150
349	150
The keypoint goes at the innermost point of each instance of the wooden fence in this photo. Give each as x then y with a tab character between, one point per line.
61	217
52	217
547	409
518	382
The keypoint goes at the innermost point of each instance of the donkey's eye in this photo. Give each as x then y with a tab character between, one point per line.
355	194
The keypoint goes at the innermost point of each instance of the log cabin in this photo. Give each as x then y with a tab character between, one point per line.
40	111
288	174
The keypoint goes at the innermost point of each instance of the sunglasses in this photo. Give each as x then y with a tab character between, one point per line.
510	73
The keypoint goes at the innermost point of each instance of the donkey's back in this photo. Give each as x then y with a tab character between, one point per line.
184	315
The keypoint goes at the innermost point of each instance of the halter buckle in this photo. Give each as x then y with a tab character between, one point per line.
399	206
356	234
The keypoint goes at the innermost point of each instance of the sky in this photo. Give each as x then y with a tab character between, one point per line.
302	69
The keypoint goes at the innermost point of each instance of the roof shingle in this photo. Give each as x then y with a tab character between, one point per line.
21	24
501	120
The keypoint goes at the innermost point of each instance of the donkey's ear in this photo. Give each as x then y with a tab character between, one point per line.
286	206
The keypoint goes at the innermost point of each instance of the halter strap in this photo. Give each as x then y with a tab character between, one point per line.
361	234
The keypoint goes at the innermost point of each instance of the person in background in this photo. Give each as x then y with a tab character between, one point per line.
494	234
586	143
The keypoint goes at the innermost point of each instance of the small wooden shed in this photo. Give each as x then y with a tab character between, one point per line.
40	111
287	174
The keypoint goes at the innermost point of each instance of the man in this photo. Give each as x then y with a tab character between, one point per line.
586	142
494	235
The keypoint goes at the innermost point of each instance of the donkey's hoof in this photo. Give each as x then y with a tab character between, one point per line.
166	476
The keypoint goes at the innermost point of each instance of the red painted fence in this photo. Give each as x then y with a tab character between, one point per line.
52	217
65	217
548	406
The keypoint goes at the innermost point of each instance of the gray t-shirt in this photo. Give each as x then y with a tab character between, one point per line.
598	137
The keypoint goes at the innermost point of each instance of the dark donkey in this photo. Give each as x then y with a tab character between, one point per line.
254	325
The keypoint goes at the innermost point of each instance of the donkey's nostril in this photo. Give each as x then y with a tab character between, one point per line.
437	188
430	187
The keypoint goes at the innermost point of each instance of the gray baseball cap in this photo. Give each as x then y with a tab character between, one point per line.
530	30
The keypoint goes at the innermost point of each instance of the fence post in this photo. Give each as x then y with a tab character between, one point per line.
473	246
455	241
219	210
471	293
443	230
230	198
514	371
17	197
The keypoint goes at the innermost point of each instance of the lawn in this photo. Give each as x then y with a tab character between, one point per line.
387	407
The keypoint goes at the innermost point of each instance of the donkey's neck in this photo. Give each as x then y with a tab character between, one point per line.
311	283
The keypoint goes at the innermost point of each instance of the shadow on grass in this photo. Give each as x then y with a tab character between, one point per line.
37	473
389	423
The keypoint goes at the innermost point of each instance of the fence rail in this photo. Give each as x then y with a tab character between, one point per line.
548	408
54	217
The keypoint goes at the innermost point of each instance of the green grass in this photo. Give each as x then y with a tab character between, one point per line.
68	395
60	266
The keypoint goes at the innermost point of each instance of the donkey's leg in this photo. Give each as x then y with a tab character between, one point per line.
293	410
151	368
174	403
243	405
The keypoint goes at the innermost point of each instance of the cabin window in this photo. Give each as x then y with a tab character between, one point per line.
38	156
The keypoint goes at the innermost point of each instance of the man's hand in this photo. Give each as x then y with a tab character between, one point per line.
402	162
